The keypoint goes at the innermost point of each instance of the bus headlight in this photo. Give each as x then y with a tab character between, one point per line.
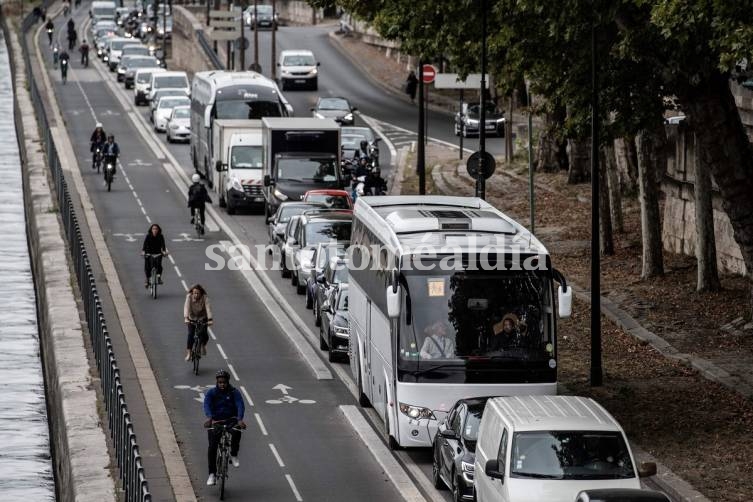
416	412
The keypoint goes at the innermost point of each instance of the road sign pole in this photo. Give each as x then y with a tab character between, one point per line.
256	36
426	115
274	40
481	181
421	161
460	112
243	39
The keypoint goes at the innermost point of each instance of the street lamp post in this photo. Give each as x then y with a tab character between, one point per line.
480	179
242	65
532	202
596	368
421	152
274	39
256	36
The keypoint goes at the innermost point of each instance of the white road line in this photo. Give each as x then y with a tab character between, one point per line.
185	286
211	333
222	352
232	370
277	455
245	394
261	424
143	210
403	483
292	487
172	260
177	271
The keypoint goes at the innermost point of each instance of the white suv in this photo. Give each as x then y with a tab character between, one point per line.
298	68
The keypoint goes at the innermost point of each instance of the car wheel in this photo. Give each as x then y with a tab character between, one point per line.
283	269
317	317
435	471
293	278
363	401
332	356
169	139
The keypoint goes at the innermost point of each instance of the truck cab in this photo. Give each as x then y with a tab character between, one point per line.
237	157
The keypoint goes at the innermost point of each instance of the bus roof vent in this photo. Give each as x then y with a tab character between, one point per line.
405	220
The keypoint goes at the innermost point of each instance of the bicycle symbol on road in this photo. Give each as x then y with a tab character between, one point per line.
285	398
196	388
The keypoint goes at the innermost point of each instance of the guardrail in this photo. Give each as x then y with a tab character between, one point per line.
132	475
207	48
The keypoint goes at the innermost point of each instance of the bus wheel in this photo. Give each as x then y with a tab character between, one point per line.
363	401
392	443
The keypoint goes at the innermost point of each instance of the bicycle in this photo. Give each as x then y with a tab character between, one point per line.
64	69
200	329
97	158
223	428
152	263
198	224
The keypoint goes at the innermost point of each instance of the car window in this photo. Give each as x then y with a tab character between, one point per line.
502	451
182	113
333	104
472	422
299	60
342	303
457	419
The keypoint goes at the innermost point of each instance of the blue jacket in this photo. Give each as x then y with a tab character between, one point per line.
220	405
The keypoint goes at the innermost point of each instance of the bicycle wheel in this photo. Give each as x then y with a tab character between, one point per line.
196	354
223	466
109	182
153	282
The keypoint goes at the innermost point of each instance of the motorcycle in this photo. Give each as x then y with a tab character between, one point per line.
109	173
64	69
55	56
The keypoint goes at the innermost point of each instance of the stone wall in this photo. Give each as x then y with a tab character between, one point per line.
744	102
187	53
678	232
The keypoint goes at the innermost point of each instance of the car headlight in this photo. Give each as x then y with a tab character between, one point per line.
467	466
314	71
285	72
106	58
342	330
416	412
235	184
348	117
472	122
280	195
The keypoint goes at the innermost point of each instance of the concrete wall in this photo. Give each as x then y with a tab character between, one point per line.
82	461
678	232
187	54
744	102
297	12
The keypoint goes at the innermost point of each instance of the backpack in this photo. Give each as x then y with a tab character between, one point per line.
195	194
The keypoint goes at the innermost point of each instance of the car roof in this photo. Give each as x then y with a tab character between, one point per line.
296	52
300	203
330	215
547	413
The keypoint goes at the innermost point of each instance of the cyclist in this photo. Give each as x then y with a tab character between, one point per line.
197	308
50	27
111	152
223	403
84	50
72	38
65	59
71	25
98	139
197	198
154	244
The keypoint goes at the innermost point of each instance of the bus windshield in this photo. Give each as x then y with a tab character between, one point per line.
476	326
247	109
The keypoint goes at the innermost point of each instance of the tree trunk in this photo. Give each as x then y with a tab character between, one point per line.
548	147
579	161
615	192
606	239
509	149
627	164
705	242
650	153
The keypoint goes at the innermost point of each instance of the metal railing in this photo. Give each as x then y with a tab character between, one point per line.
207	48
132	475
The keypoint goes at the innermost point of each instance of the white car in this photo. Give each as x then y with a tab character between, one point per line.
179	124
298	68
161	93
165	108
141	81
169	80
535	448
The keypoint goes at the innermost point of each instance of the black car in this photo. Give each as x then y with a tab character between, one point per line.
467	120
334	330
277	223
455	447
335	273
338	109
621	495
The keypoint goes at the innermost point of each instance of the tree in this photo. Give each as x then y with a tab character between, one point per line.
650	150
705	242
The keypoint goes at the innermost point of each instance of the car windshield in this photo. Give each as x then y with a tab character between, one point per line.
172	102
342	303
136	51
333	104
570	455
472	421
182	113
264	9
333	201
288	212
246	157
326	231
322	170
475	109
352	142
360	132
144	77
117	45
142	63
247	109
299	60
177	82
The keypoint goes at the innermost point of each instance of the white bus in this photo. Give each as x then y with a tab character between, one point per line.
449	299
228	95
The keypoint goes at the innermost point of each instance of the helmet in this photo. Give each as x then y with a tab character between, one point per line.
364	144
222	374
110	136
98	125
195	178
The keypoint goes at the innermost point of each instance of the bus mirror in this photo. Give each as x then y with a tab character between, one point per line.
393	303
565	301
207	117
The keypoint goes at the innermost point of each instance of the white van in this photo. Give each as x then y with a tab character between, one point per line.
114	49
298	68
535	448
141	82
169	80
102	10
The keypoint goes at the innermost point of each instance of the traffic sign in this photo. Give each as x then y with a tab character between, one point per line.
430	71
452	81
474	165
241	42
224	35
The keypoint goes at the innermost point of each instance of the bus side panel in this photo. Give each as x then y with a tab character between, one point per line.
357	314
380	358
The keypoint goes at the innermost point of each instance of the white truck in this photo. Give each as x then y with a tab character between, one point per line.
237	158
300	154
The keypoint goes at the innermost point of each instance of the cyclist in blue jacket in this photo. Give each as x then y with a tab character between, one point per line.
223	403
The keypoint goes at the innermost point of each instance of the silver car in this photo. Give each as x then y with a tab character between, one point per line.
165	108
179	124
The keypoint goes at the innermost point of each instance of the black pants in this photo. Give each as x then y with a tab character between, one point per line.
85	58
203	335
157	260
201	210
214	441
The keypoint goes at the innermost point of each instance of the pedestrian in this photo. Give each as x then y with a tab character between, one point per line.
411	84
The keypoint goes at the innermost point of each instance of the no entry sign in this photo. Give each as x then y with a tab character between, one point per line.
430	72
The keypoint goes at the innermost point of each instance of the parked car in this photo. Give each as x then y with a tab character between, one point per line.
334	330
335	273
338	109
263	17
165	108
467	119
314	228
621	495
534	448
323	254
335	199
298	68
454	448
179	125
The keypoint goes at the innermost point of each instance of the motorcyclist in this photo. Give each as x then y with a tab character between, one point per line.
98	139
375	184
50	27
64	62
111	152
360	173
72	37
71	25
197	198
223	403
363	150
84	50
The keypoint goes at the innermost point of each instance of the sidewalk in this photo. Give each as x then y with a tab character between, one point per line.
678	366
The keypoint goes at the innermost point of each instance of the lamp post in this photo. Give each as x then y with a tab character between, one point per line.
242	65
274	40
256	36
532	202
421	152
596	368
480	179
